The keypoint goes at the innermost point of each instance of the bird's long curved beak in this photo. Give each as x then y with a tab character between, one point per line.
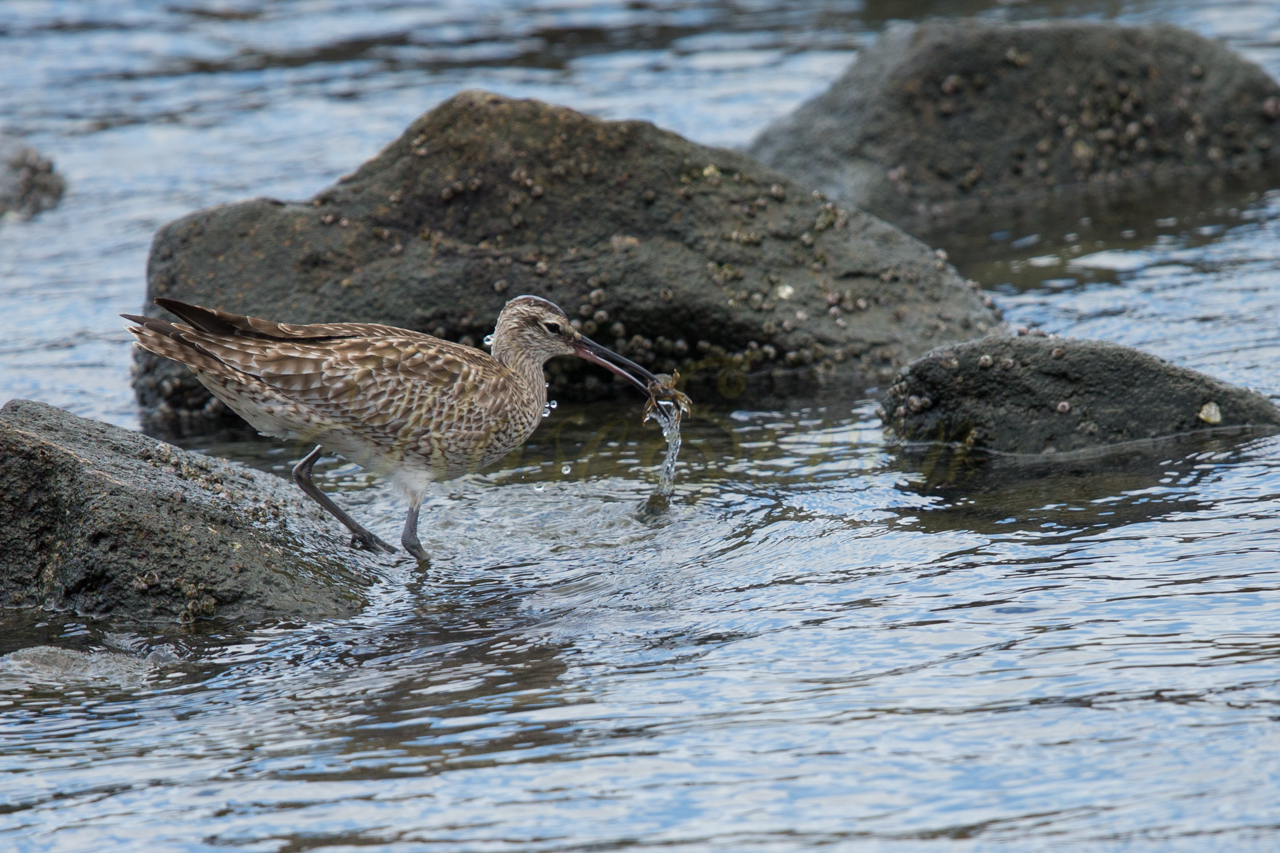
588	349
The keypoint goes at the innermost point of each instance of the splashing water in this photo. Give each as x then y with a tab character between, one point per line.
668	415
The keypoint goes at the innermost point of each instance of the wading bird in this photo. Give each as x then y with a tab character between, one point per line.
396	402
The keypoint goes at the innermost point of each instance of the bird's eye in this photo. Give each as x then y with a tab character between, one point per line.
553	328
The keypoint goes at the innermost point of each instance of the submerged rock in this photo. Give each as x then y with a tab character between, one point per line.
109	522
1042	395
28	183
938	120
50	665
677	255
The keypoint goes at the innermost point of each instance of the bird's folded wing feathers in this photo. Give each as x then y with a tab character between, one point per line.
390	382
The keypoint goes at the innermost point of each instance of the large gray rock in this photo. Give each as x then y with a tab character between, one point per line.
28	183
1043	395
943	119
678	255
109	522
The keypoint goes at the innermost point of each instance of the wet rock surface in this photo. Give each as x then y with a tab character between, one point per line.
1044	395
28	183
940	120
54	665
680	256
104	521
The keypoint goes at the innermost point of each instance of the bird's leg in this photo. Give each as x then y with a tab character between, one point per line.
409	538
359	536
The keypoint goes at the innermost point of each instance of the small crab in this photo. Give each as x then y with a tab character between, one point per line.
664	386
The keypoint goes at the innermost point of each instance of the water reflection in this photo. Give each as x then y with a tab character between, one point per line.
1025	482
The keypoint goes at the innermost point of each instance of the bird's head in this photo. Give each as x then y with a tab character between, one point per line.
534	328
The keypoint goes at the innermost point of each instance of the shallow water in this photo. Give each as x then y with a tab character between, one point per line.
809	647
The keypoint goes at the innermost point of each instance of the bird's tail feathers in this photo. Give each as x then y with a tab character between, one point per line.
216	322
166	339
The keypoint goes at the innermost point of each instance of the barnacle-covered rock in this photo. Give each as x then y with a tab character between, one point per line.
940	120
28	182
108	522
1047	395
680	256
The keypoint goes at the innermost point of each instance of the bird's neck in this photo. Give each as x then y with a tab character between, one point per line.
527	369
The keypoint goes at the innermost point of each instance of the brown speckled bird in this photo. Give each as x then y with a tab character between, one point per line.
396	402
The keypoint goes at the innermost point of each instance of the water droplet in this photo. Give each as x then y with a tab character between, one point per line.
552	404
488	340
565	469
546	411
539	487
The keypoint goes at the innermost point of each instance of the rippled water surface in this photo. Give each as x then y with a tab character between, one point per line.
809	648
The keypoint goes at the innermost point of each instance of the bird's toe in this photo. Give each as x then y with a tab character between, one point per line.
369	542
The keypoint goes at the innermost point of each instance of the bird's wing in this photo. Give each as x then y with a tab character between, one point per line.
392	385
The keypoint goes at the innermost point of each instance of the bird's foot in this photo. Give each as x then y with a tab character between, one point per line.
414	547
369	542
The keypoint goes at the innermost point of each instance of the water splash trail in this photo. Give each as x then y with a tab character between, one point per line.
668	415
